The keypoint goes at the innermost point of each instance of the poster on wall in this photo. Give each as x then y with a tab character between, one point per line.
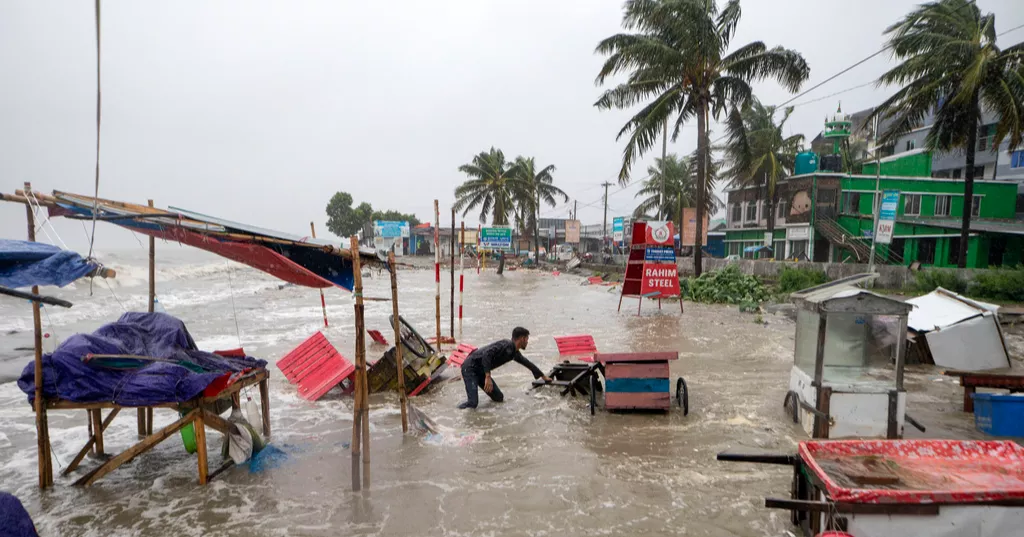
887	216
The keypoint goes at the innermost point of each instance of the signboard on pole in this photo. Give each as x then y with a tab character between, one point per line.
660	278
660	232
496	238
617	234
887	216
689	231
651	271
572	231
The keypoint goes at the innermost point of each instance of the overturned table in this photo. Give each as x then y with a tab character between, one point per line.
1006	379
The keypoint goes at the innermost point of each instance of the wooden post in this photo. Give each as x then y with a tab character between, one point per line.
451	303
143	414
437	272
462	273
265	405
822	404
199	426
362	386
323	303
42	428
96	415
399	360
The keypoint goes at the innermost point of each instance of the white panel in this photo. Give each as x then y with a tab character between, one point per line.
864	415
973	345
952	521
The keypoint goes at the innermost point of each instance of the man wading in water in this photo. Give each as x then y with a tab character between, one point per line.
476	370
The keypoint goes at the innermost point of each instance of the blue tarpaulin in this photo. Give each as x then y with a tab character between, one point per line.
24	264
155	335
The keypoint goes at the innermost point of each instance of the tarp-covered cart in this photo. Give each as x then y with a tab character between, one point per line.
888	488
841	384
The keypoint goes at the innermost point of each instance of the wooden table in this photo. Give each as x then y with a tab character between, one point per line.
1005	379
637	380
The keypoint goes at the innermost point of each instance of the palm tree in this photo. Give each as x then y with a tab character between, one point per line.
670	187
678	64
758	152
952	66
537	187
493	186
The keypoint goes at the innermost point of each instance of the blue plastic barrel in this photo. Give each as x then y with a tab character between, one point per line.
999	414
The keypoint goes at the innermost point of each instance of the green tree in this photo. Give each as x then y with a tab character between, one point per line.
537	188
395	216
679	64
670	187
493	187
952	67
758	152
342	219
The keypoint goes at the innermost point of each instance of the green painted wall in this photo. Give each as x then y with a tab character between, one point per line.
916	165
999	198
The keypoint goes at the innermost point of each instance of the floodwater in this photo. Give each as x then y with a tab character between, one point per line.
537	464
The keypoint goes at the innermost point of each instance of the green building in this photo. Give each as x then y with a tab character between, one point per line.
828	217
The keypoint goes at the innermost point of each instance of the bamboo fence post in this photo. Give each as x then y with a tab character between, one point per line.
451	302
462	273
437	273
363	405
399	360
42	428
323	303
143	414
199	426
357	393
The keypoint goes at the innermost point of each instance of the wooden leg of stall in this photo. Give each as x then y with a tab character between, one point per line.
96	418
265	405
42	427
145	445
149	421
141	422
88	445
199	426
968	398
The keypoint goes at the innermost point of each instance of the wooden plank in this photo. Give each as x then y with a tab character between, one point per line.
199	426
623	401
854	508
653	370
136	450
265	405
88	445
636	357
631	385
96	418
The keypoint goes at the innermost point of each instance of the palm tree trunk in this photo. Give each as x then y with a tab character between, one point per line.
972	142
702	174
536	231
679	229
663	206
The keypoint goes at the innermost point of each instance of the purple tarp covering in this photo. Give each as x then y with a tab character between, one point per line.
157	335
24	264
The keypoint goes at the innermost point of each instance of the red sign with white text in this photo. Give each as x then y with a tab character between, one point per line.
660	233
662	278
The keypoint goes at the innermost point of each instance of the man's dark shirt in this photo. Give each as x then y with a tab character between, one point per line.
497	354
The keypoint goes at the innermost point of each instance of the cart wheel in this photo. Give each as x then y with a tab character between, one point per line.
792	404
683	395
593	394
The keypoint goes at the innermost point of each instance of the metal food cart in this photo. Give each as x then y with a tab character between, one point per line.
841	384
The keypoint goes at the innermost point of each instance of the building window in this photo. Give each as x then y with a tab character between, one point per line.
942	205
851	202
751	212
911	145
979	172
944	174
734	248
953	258
976	207
780	250
798	250
926	251
912	204
737	213
780	210
1017	159
958	173
986	133
895	254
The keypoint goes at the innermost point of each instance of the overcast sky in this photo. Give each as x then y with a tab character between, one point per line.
259	111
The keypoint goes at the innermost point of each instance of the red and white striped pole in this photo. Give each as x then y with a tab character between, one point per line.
437	270
462	272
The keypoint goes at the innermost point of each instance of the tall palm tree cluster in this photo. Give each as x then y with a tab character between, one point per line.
680	65
505	190
670	187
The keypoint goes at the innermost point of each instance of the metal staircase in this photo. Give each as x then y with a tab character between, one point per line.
841	238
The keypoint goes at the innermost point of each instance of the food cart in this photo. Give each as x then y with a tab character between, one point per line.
886	488
841	384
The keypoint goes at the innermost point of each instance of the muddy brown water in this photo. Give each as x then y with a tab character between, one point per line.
537	464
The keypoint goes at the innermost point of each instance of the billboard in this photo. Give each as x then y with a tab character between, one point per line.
660	278
496	238
689	232
572	231
617	226
390	229
660	232
887	216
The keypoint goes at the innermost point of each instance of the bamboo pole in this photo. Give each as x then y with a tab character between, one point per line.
323	303
362	387
437	273
451	302
42	432
143	423
462	273
357	398
399	360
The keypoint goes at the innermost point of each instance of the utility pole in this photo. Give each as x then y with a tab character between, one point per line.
604	233
574	202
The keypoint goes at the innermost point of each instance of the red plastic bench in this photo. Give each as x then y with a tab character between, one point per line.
460	354
581	347
316	367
